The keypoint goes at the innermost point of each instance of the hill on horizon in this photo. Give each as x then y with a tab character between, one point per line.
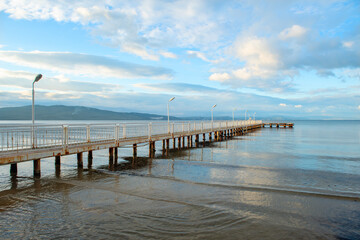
61	112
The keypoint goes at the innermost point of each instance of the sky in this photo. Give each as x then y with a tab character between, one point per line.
299	59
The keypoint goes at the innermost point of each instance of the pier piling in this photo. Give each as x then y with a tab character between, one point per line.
37	170
13	169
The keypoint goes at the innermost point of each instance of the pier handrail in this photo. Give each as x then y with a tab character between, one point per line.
19	137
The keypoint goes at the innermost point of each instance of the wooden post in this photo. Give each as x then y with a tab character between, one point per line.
115	155
167	143
191	140
210	136
174	143
163	145
197	140
57	160
79	160
111	158
183	142
13	169
57	166
179	142
188	141
134	151
37	169
153	149
90	158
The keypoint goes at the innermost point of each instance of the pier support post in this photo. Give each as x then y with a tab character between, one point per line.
183	142
210	136
179	142
134	151
188	141
197	140
115	155
57	166
37	169
57	160
167	144
90	158
80	160
174	143
163	145
13	169
111	159
151	149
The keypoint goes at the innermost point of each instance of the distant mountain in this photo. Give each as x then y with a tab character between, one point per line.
60	112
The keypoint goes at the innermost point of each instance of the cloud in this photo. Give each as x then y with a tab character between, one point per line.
23	80
168	54
298	106
358	107
202	56
220	77
282	105
348	44
140	51
84	64
178	88
286	38
294	31
143	28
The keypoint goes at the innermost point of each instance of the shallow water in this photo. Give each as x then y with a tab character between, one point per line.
300	183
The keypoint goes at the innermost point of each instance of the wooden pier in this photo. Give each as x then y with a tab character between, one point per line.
27	143
273	124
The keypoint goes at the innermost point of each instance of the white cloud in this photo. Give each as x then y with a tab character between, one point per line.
168	54
140	51
83	64
23	80
294	31
1	46
358	107
298	106
282	105
143	28
348	44
220	77
256	52
202	56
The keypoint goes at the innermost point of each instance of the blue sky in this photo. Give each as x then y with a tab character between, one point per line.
299	59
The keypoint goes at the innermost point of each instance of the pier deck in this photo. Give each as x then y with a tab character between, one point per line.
25	143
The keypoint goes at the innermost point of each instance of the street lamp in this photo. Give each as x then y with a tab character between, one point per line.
37	78
254	115
234	114
245	114
212	116
169	113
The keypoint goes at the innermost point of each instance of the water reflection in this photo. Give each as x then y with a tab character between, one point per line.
258	186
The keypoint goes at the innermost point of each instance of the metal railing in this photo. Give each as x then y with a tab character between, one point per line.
21	136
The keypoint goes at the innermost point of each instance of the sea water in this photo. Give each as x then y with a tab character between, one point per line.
273	183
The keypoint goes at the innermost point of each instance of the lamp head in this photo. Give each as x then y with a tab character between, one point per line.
214	106
171	99
38	77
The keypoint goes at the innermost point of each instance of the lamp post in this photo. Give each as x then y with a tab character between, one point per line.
168	112
245	114
254	115
234	114
37	78
212	116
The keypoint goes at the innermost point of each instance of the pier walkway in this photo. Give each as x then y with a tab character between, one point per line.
20	143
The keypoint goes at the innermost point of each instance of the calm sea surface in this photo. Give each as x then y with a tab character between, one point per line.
300	183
